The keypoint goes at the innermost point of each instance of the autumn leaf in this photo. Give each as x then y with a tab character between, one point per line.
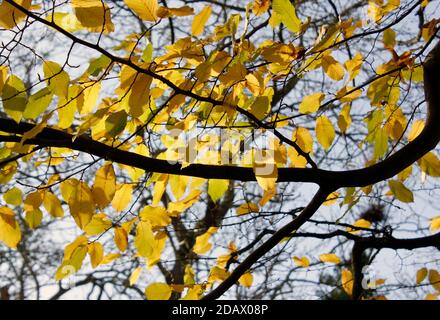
145	9
14	97
401	192
325	132
421	275
247	207
330	258
217	188
332	67
10	233
158	291
246	280
311	102
435	223
347	281
200	20
202	244
104	188
287	13
301	261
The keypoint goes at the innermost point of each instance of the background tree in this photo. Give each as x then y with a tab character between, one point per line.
204	149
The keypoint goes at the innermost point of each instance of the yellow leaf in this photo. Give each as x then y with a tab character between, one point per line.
347	95
93	15
158	246
122	197
332	68
260	6
430	164
135	276
74	254
194	293
91	94
330	258
202	245
33	201
52	205
158	291
303	139
401	192
3	76
303	262
266	171
178	185
96	253
347	281
416	129
37	103
14	97
145	9
389	38
431	296
434	279
67	107
247	207
344	118
253	84
10	233
121	238
246	280
134	91
34	218
311	102
286	11
217	188
260	108
325	132
99	223
361	223
380	142
159	189
13	196
331	199
200	20
217	274
104	187
157	216
353	66
175	208
81	204
164	12
110	257
57	79
421	275
435	223
189	277
144	240
10	16
67	21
